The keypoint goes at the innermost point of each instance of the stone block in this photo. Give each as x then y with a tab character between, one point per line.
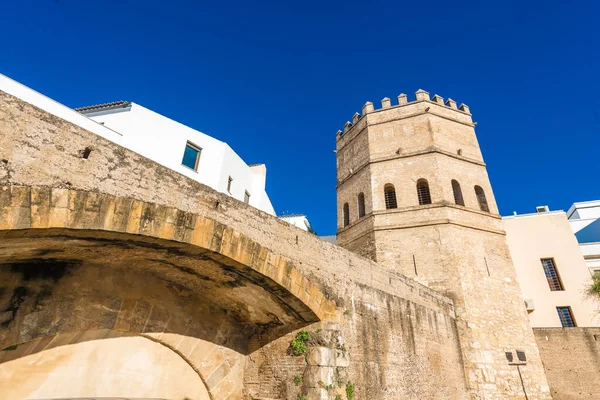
321	356
60	198
20	196
318	376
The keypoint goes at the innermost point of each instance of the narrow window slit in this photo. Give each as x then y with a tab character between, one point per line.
85	154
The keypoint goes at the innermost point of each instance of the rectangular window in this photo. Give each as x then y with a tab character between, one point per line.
566	317
247	197
552	274
191	156
229	184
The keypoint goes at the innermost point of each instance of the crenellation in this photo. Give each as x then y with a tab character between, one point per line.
465	108
422	95
347	126
402	99
367	108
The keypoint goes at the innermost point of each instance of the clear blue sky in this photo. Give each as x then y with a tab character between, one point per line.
276	81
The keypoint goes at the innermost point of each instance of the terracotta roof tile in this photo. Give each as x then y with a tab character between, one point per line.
105	106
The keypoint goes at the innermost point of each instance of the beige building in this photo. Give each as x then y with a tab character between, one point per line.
551	270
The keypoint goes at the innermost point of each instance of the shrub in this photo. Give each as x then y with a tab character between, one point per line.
350	391
297	380
299	342
594	288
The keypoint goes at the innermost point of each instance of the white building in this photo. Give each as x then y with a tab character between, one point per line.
167	142
185	150
299	221
584	218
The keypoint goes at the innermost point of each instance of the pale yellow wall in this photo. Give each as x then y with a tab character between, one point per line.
548	235
133	367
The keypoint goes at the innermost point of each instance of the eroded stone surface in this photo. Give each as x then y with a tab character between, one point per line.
400	336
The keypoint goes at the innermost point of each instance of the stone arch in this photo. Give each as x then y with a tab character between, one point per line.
72	260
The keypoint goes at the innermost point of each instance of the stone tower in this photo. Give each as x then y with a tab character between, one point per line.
413	194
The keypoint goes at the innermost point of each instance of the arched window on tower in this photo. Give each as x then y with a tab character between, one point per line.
390	196
346	214
361	205
458	197
423	192
483	204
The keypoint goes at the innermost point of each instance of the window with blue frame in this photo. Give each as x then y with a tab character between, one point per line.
191	156
566	317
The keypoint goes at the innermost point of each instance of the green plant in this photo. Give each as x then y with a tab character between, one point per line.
299	342
302	397
338	397
343	348
297	380
319	331
11	348
328	387
346	312
350	390
594	288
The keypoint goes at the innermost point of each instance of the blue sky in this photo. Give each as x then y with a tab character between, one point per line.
277	80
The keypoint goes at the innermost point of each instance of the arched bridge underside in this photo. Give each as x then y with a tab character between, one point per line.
75	260
79	266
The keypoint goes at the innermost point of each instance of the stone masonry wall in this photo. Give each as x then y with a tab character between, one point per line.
400	336
571	358
396	349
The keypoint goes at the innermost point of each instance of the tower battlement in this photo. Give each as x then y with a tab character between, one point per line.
386	104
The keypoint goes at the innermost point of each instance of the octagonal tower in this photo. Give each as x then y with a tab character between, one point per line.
414	194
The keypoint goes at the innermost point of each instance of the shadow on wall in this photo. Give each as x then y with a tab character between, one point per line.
56	281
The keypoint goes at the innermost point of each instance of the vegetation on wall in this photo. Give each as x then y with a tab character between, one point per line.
350	391
594	287
298	344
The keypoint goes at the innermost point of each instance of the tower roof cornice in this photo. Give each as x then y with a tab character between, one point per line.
421	97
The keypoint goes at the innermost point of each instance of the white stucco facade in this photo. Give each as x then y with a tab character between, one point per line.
299	221
584	218
548	235
162	140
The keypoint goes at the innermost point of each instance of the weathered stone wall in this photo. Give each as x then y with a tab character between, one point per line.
571	358
396	348
399	335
